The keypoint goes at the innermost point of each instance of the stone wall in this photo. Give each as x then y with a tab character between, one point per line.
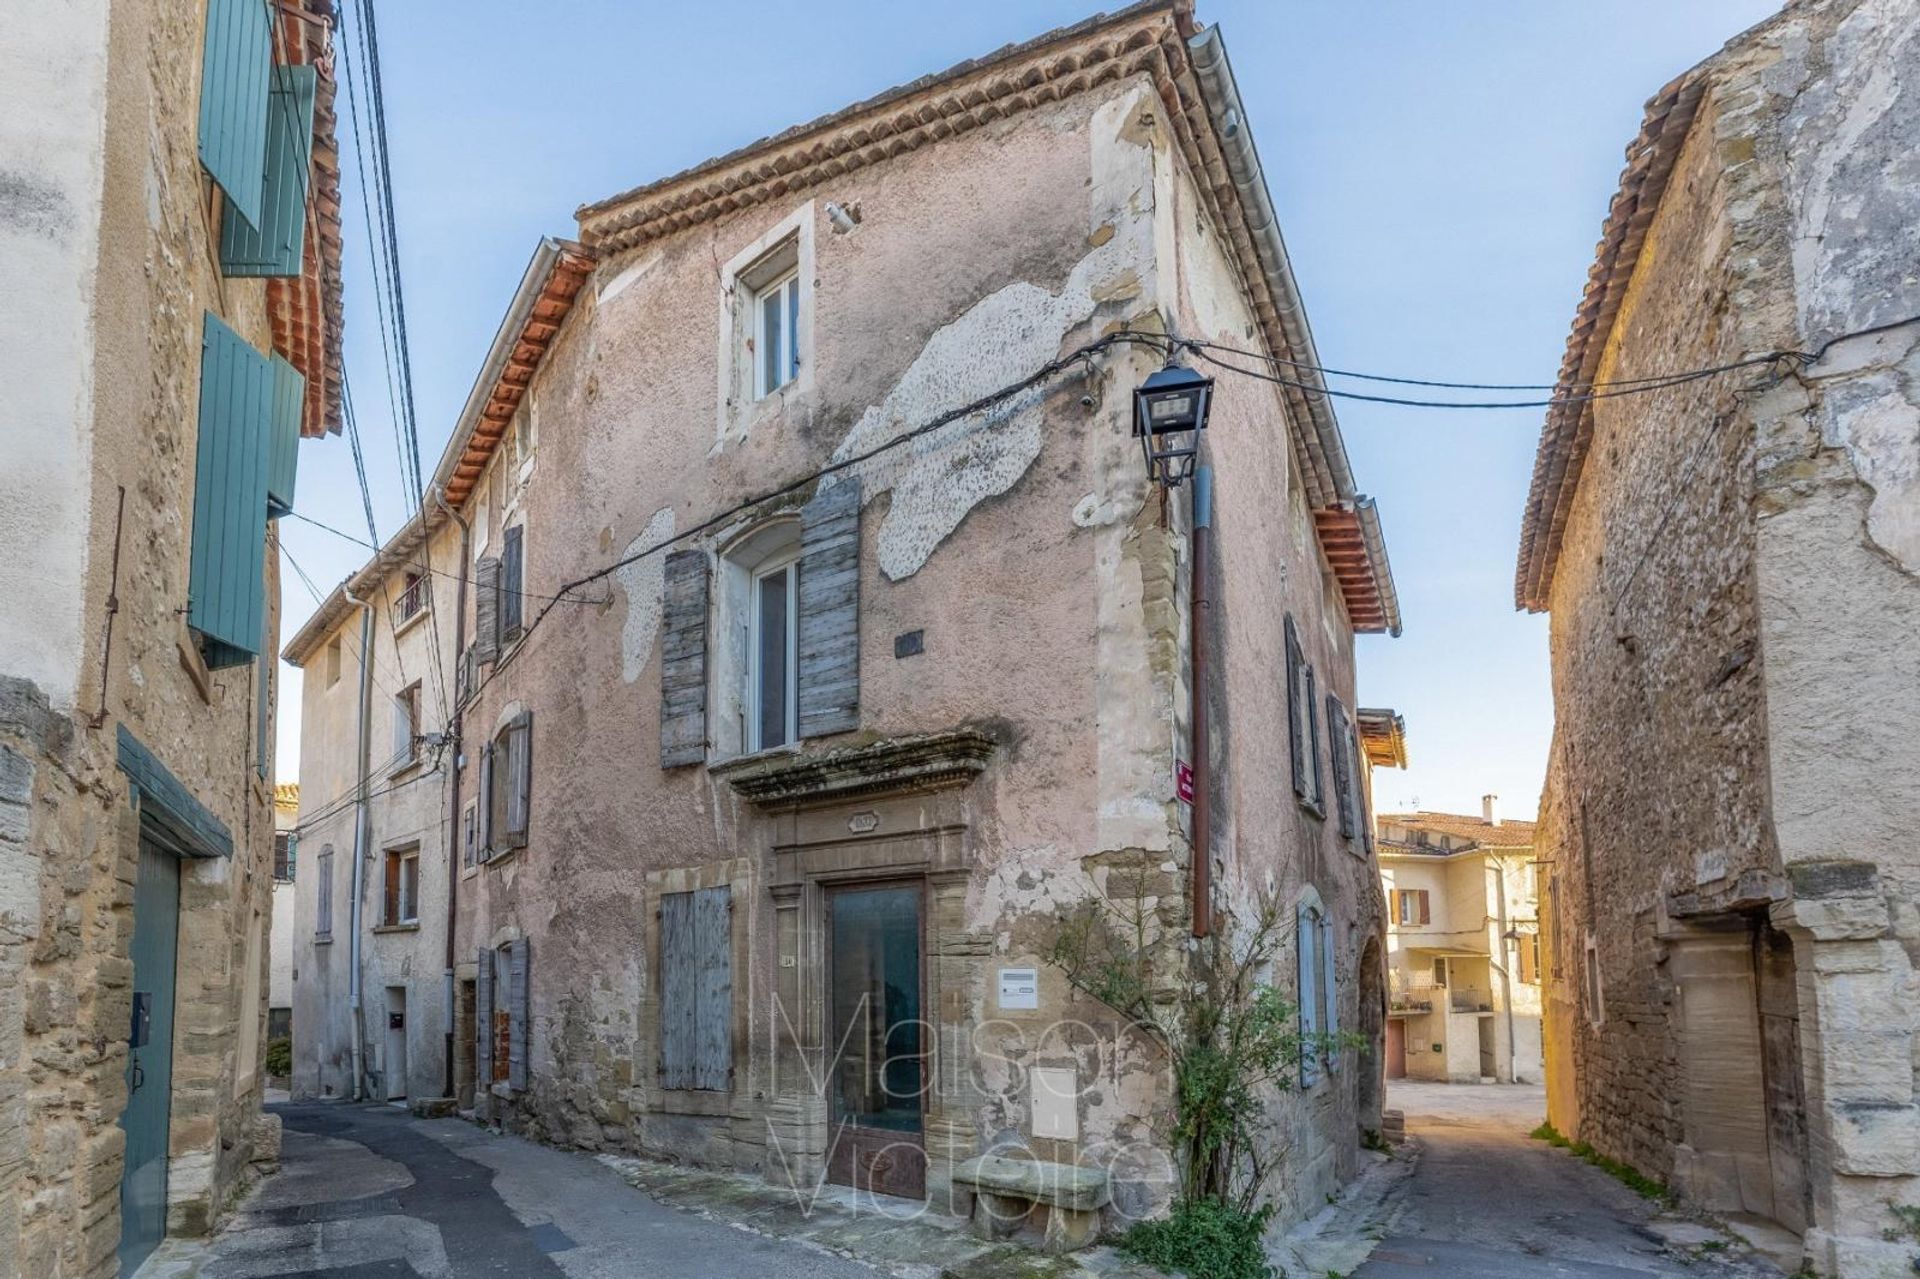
116	386
1738	568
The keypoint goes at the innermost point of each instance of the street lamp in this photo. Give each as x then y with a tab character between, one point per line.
1169	412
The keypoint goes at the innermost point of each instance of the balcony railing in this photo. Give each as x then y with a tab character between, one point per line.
1465	999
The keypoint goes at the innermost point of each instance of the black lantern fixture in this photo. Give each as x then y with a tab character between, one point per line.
1169	412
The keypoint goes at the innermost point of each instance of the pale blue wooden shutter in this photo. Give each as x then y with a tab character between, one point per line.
234	74
272	245
483	1020
1329	971
683	660
1306	937
829	675
713	1013
226	593
679	993
283	461
519	1014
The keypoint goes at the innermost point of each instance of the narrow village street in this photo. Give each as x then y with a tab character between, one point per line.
1487	1201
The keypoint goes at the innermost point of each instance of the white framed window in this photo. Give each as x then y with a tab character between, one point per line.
776	333
756	666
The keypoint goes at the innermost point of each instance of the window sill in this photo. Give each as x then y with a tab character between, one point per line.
402	625
1317	811
323	939
503	855
744	758
406	766
405	926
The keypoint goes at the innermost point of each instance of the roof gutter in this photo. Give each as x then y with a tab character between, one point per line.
1376	542
1208	54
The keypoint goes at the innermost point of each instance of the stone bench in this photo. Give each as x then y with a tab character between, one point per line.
1008	1193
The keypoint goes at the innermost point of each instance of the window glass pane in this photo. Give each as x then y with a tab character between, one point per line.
771	650
874	1002
770	332
793	329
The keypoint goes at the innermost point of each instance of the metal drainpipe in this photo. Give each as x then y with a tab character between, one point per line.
1500	931
361	839
454	832
1201	605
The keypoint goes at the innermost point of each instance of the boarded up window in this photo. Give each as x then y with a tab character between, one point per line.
696	989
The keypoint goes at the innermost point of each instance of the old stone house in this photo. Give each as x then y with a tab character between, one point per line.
1463	958
169	292
798	701
1732	564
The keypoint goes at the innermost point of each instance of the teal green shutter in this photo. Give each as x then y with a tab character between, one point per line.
274	248
226	596
289	401
233	100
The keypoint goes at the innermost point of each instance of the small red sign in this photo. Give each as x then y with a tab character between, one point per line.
1183	780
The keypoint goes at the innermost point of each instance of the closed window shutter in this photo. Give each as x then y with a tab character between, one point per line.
713	1016
486	609
1306	935
512	583
829	670
679	998
1360	789
683	661
1330	994
1316	779
226	590
483	1018
272	244
520	994
519	779
235	71
1296	739
1337	740
283	458
1426	908
486	802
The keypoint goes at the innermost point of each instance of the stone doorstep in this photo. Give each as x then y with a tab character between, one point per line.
897	1236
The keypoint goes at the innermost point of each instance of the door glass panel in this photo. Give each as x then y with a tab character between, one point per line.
879	1066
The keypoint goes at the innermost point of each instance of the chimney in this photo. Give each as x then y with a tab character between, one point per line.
1490	809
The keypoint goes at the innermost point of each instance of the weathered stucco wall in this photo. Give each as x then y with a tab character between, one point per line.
1730	677
1048	589
114	236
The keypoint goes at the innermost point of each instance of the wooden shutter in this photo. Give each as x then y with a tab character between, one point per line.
513	572
226	588
486	802
271	245
679	994
1362	789
519	1005
1296	738
519	779
683	661
483	1021
1316	779
1330	993
1426	906
283	457
235	71
1306	936
1338	738
696	989
486	609
829	669
713	1013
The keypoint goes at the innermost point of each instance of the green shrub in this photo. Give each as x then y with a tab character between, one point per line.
1203	1238
278	1060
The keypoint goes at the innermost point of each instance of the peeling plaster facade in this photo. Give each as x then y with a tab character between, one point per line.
1015	758
1730	910
108	261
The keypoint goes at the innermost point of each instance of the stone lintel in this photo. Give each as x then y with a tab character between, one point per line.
894	765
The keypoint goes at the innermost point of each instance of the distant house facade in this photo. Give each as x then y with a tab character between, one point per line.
1732	565
170	309
286	820
800	703
1463	947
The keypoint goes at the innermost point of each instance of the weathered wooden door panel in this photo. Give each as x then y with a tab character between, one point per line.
876	1038
143	1182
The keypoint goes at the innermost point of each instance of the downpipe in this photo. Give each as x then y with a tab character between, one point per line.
362	837
1200	602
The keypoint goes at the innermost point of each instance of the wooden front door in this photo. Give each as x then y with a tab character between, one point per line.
156	932
1396	1048
876	1039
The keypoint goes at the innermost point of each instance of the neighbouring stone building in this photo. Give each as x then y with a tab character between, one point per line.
1463	957
170	310
1732	564
800	694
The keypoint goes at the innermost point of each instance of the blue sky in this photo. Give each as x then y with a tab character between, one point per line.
1440	170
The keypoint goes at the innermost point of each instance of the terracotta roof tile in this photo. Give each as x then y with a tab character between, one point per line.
1508	834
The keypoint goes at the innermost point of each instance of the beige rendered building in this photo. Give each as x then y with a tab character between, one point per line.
1463	947
824	643
1732	564
169	323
